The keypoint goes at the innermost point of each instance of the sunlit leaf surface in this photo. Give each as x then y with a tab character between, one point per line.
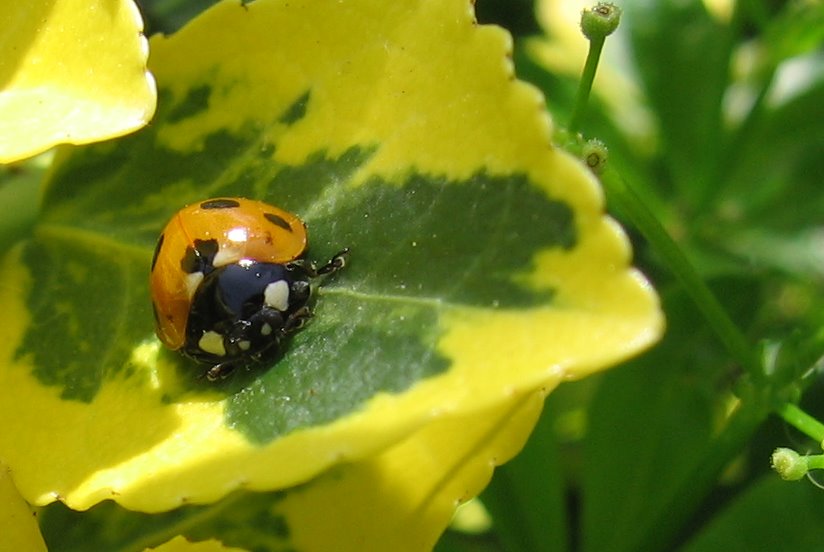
71	71
18	524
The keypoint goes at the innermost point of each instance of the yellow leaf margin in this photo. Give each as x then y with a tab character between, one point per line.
402	499
71	71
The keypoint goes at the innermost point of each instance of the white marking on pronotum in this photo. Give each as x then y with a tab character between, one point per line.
227	255
212	342
192	281
266	329
276	295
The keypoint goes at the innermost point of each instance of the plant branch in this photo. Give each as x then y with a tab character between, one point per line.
802	421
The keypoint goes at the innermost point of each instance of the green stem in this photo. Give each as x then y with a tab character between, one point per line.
719	321
802	421
596	45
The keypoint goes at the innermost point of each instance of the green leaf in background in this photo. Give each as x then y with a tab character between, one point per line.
769	515
649	422
796	30
784	238
681	54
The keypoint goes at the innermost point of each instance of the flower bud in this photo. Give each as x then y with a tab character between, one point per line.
790	465
600	21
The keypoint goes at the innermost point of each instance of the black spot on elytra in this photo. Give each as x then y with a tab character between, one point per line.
199	258
277	221
219	204
157	250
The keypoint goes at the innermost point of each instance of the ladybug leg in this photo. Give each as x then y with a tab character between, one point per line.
297	320
219	371
337	262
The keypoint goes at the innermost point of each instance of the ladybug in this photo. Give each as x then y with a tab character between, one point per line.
229	281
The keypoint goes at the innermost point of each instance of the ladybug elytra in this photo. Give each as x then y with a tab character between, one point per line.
229	281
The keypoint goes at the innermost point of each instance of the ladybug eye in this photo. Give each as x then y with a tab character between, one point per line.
277	221
219	204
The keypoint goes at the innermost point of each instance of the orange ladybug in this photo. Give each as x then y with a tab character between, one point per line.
228	281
